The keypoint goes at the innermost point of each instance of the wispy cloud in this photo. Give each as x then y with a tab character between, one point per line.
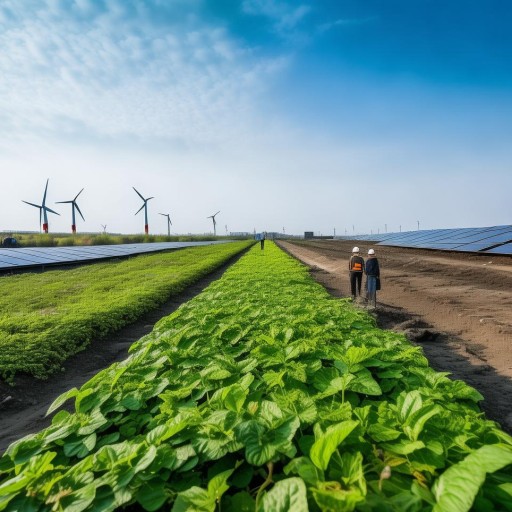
124	68
285	17
345	22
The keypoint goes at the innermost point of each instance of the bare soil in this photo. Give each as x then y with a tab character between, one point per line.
457	306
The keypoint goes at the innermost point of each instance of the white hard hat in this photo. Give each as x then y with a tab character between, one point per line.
355	249
371	251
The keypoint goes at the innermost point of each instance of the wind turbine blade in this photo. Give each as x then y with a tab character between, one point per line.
62	202
170	221
140	208
164	214
50	210
140	195
217	213
45	190
149	198
32	204
76	206
78	194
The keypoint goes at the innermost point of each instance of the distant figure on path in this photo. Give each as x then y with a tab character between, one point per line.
262	241
356	268
373	277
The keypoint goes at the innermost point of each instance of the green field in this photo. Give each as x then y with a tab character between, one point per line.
264	393
46	317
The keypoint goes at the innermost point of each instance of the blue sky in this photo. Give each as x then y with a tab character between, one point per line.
308	116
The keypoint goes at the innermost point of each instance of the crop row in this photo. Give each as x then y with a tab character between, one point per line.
264	393
47	317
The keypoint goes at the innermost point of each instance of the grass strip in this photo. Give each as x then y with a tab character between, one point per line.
47	317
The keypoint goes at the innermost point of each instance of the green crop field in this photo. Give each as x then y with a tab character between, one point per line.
46	317
264	393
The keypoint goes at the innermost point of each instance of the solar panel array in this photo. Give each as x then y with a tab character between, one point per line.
21	258
493	240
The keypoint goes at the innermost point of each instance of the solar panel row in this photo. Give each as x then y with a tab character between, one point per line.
42	256
493	240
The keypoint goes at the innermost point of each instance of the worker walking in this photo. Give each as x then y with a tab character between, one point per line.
372	277
356	268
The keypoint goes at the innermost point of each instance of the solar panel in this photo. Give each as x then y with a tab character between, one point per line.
502	249
42	256
458	239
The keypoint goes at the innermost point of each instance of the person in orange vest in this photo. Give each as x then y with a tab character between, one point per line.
356	268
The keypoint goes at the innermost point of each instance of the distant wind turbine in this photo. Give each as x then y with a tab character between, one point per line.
43	209
214	222
104	226
169	223
73	206
145	206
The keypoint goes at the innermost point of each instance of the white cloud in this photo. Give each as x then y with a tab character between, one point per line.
114	76
285	17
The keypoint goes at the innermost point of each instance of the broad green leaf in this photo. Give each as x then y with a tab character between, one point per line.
409	403
303	467
217	486
325	445
194	499
234	397
457	487
403	447
239	502
379	432
78	499
62	399
285	496
365	383
263	443
152	495
166	431
414	423
330	496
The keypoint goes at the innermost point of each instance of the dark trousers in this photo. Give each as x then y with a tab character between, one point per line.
262	243
355	280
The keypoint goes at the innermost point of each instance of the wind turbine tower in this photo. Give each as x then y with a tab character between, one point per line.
214	222
145	206
43	209
169	223
74	206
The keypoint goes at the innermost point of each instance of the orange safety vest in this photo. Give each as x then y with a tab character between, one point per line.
356	266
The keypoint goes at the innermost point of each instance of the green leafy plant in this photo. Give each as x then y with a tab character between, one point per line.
264	393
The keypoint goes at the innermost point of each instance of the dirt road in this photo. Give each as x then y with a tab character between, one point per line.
457	306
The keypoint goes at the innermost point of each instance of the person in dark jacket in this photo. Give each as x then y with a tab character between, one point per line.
356	269
372	271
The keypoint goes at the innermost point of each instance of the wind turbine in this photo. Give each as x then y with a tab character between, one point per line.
43	209
214	222
145	206
104	226
73	206
169	223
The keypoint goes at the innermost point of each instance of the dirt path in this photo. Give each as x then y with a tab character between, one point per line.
457	306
